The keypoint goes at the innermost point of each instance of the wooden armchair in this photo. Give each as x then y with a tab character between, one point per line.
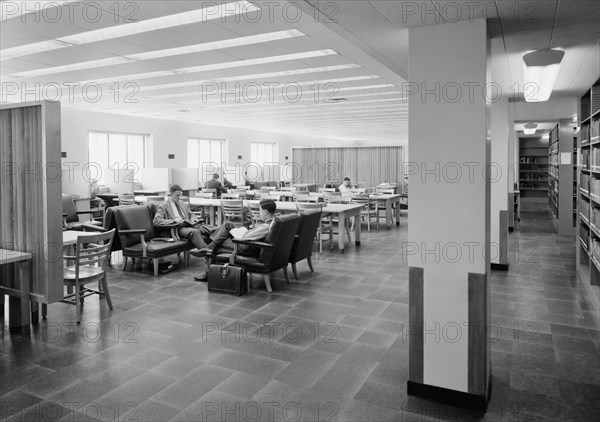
88	265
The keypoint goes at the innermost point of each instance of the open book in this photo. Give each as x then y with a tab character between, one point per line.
238	232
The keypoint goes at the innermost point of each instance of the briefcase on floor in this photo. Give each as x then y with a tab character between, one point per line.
227	279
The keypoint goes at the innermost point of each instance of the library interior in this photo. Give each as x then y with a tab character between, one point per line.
205	215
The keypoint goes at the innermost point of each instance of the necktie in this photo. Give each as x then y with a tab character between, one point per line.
179	210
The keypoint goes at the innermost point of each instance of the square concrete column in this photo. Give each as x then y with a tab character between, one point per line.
449	229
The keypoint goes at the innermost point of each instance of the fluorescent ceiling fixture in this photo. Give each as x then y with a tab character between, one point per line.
71	67
185	18
529	128
255	76
218	45
280	87
210	46
216	66
541	69
14	9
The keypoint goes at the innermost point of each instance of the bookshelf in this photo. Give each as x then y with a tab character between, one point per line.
533	169
553	172
588	192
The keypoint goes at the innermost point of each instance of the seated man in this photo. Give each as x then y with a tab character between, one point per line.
214	183
221	235
346	186
175	211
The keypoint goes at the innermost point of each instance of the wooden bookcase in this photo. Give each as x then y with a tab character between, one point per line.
553	172
588	204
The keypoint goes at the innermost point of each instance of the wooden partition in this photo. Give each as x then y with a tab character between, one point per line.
372	165
30	195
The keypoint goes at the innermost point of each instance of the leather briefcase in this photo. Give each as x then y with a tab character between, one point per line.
227	279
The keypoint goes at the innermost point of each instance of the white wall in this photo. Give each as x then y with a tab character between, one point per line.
170	137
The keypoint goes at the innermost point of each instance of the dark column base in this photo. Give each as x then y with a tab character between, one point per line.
500	267
451	397
511	229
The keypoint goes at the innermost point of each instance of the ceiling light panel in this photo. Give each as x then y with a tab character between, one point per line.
205	14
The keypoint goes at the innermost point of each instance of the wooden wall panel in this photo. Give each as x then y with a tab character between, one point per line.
30	194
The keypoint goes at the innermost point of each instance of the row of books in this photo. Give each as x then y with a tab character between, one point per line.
584	208
590	133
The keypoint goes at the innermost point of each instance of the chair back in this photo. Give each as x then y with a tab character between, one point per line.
240	192
326	189
93	251
288	188
233	210
209	190
361	198
230	196
370	190
274	197
333	197
305	206
205	195
68	207
282	234
126	199
254	207
266	189
156	199
382	190
130	218
302	247
110	223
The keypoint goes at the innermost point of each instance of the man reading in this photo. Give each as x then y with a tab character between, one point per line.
229	230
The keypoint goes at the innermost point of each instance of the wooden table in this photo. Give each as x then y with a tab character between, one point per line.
70	236
341	211
19	317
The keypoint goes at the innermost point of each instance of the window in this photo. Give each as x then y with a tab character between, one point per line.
204	151
261	153
116	150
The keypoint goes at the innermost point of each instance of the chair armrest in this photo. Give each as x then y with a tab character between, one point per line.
262	245
85	212
93	228
167	226
69	257
133	231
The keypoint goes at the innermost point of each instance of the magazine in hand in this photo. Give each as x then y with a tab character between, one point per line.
238	232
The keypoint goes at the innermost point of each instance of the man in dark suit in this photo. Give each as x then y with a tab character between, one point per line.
175	211
214	183
222	235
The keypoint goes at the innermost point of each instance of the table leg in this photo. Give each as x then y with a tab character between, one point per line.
341	230
398	213
35	312
388	215
19	318
2	302
357	229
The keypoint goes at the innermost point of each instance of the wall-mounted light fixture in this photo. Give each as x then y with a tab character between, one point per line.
541	69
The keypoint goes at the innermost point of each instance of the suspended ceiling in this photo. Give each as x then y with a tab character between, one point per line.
330	68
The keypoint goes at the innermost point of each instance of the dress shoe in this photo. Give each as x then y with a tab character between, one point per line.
201	277
200	253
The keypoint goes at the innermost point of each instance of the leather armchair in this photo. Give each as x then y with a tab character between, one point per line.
139	238
71	215
302	248
275	250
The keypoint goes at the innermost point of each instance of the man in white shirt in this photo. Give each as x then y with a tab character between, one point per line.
175	211
346	186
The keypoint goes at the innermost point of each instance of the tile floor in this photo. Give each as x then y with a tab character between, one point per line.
329	347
